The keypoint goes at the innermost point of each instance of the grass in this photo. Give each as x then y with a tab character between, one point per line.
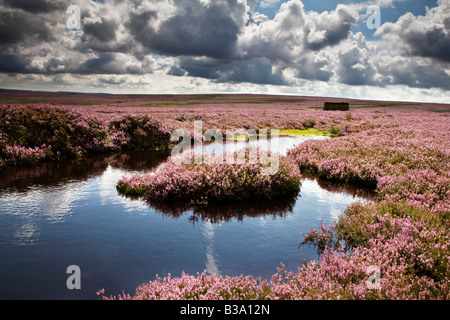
207	100
88	103
382	105
30	100
241	137
171	104
286	132
439	110
304	132
264	100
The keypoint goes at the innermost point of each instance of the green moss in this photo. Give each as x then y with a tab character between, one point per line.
304	132
287	132
240	137
30	100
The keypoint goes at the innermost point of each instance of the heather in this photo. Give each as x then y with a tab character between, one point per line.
34	133
401	154
409	246
404	156
39	132
406	159
214	179
139	133
408	243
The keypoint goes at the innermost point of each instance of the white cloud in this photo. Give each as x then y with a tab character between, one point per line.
222	45
268	3
423	36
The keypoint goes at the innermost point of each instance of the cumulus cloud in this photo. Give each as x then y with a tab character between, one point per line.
224	41
17	26
268	3
255	70
103	30
330	28
357	64
199	29
36	6
415	49
423	36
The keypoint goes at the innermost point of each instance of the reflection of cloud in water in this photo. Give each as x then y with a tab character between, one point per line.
108	194
333	201
106	185
27	234
57	207
280	145
53	205
211	262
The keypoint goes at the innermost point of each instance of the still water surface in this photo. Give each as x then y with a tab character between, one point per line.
69	213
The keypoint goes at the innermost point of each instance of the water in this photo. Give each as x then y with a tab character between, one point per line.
69	213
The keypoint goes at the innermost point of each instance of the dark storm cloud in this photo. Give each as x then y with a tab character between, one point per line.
308	68
356	75
106	63
257	70
104	30
37	6
18	26
447	24
54	63
194	30
12	63
203	68
140	26
414	74
433	43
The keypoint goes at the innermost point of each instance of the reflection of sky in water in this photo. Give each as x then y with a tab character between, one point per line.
46	205
279	144
121	243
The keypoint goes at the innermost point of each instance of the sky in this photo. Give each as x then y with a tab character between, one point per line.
309	48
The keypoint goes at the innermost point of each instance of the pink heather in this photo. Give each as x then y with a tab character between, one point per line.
203	183
402	153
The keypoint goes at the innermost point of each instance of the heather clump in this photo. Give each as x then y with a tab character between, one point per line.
140	133
32	133
362	221
405	233
408	244
200	287
214	180
408	161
